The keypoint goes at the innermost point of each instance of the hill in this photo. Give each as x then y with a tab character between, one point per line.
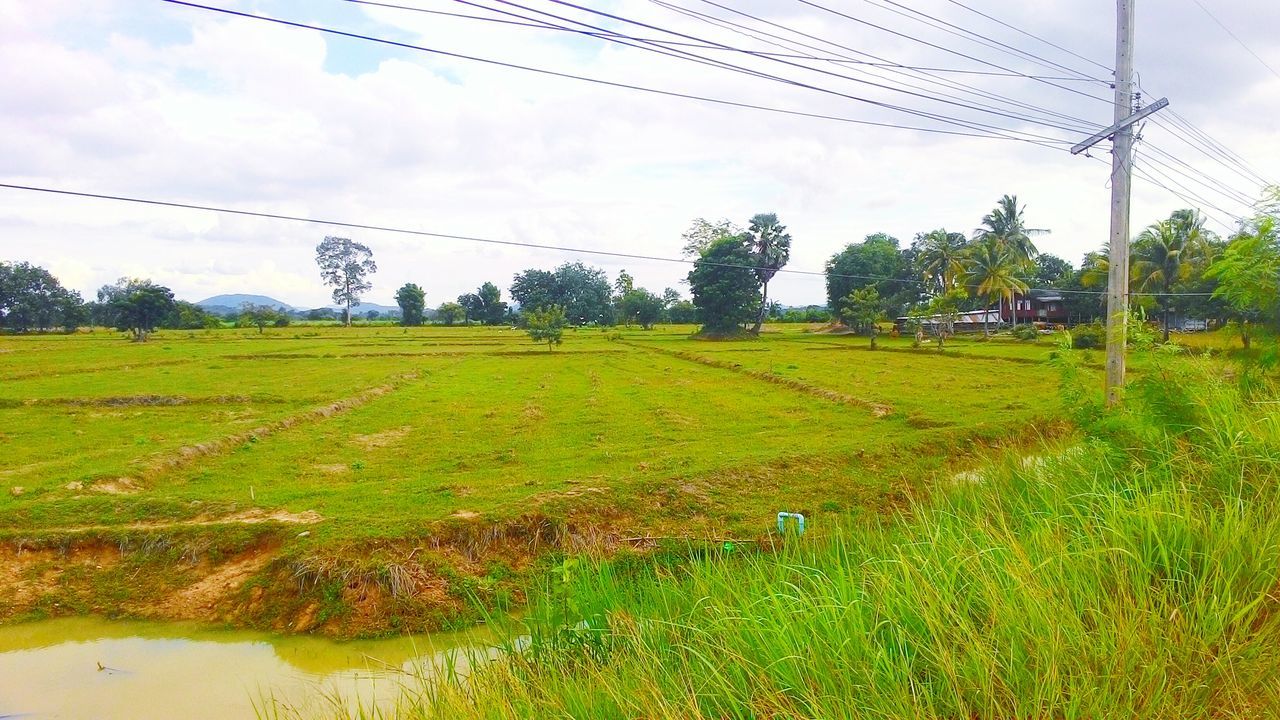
223	303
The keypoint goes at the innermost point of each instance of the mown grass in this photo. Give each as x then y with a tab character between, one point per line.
1133	573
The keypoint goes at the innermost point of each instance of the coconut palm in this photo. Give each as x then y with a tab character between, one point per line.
1166	253
942	258
1005	226
770	247
991	271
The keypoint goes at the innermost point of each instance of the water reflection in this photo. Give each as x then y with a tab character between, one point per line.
92	668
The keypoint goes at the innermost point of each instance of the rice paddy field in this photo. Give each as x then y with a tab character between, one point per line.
364	480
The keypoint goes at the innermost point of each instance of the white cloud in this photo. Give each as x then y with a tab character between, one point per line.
196	107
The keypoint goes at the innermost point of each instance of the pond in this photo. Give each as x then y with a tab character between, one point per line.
94	668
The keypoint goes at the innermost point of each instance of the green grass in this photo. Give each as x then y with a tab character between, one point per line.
1133	574
399	438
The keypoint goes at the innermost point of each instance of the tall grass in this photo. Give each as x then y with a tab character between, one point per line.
1130	574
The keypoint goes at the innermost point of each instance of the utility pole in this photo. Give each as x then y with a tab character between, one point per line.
1121	133
1121	165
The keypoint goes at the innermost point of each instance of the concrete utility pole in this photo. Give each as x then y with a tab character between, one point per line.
1121	165
1121	133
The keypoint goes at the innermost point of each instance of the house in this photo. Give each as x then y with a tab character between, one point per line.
1042	306
1037	306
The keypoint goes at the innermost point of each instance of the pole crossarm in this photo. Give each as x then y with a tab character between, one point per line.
1101	135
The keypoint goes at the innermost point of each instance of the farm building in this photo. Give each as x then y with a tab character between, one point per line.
1037	306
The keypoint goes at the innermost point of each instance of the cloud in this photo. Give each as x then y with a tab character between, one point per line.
192	106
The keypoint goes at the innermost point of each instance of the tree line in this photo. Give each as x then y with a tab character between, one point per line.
1177	267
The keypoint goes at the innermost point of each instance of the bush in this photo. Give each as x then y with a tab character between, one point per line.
1026	332
1089	337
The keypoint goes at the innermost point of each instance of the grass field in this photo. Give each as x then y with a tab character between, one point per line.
378	461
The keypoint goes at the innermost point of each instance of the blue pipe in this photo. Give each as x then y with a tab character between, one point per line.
782	522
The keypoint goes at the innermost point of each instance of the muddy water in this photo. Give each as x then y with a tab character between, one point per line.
51	669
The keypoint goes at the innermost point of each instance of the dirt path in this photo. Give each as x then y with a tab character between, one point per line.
255	516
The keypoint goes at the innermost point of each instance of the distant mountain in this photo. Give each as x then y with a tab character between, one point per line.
235	301
363	308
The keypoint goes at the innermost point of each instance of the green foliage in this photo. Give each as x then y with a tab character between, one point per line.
861	310
1027	333
642	305
451	313
1089	337
484	305
31	298
1248	276
854	267
726	291
412	300
769	245
583	291
345	266
546	325
702	234
137	306
682	312
261	317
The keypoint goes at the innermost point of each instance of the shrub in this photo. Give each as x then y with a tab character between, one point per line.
1026	332
1088	337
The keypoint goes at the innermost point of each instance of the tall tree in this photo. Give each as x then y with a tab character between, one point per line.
992	271
726	290
32	298
770	247
412	300
941	258
491	309
864	264
1165	253
1006	227
644	306
137	306
345	265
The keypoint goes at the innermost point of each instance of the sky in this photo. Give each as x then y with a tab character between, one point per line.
151	99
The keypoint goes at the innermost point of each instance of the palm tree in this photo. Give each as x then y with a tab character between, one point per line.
1167	252
941	258
770	247
1005	226
991	271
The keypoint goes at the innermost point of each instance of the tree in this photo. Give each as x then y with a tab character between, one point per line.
31	298
624	284
682	312
345	266
492	311
137	306
941	258
991	271
644	306
946	307
1165	253
412	300
546	325
536	288
1004	227
725	287
259	316
1051	269
472	305
1248	275
372	315
584	293
861	310
451	313
702	234
770	247
863	264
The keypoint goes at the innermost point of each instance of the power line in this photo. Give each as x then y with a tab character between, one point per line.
1235	37
937	47
915	73
1032	35
988	131
790	63
476	239
976	37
